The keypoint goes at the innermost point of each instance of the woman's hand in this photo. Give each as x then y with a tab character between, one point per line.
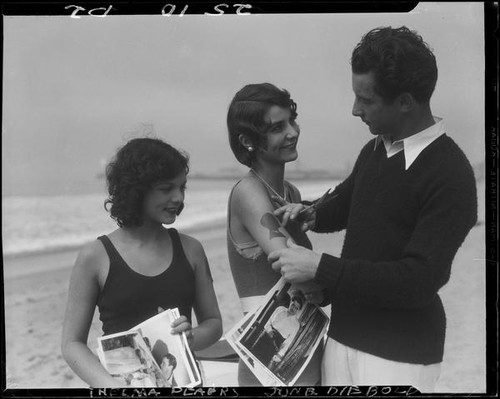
182	325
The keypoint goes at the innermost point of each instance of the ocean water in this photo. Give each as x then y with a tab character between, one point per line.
48	223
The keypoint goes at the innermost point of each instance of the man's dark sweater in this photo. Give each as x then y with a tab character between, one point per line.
403	229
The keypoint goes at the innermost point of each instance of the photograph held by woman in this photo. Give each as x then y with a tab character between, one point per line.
142	267
263	135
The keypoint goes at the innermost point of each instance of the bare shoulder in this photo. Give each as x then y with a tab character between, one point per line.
92	258
249	193
248	185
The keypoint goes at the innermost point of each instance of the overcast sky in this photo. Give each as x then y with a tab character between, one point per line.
76	89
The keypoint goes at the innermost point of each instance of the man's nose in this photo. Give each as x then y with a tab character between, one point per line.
356	109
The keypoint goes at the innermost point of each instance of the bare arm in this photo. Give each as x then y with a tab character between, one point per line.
82	300
255	212
209	328
252	207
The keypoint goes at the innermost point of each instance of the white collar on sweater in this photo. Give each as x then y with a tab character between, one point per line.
412	145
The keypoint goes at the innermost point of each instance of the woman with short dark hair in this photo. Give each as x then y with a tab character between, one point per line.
142	267
263	135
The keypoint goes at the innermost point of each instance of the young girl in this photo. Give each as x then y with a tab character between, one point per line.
142	267
263	135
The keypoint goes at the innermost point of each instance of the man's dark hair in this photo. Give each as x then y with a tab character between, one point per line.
400	61
298	296
171	360
136	168
246	116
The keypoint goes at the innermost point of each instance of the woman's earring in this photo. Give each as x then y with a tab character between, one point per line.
250	148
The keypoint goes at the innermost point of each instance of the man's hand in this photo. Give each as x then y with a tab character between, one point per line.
316	297
299	213
313	292
296	264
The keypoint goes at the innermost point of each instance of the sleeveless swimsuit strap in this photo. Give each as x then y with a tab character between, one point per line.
178	254
111	250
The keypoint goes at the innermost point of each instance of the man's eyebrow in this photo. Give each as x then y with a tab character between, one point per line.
362	97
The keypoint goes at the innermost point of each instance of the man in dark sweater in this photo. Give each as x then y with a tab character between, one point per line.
407	207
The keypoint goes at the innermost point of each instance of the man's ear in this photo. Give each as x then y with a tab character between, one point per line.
245	141
406	102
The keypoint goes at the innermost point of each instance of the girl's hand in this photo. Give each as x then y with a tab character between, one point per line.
181	325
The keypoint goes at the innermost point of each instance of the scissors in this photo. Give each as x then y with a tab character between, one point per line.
326	197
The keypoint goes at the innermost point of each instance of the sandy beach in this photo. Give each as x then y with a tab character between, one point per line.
36	290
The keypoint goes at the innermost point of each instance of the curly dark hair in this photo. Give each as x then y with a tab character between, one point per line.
172	361
400	60
298	295
136	168
246	116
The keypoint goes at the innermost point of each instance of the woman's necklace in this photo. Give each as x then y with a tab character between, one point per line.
282	197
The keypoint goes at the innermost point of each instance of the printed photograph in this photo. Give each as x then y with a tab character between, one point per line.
170	351
127	357
232	337
284	333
